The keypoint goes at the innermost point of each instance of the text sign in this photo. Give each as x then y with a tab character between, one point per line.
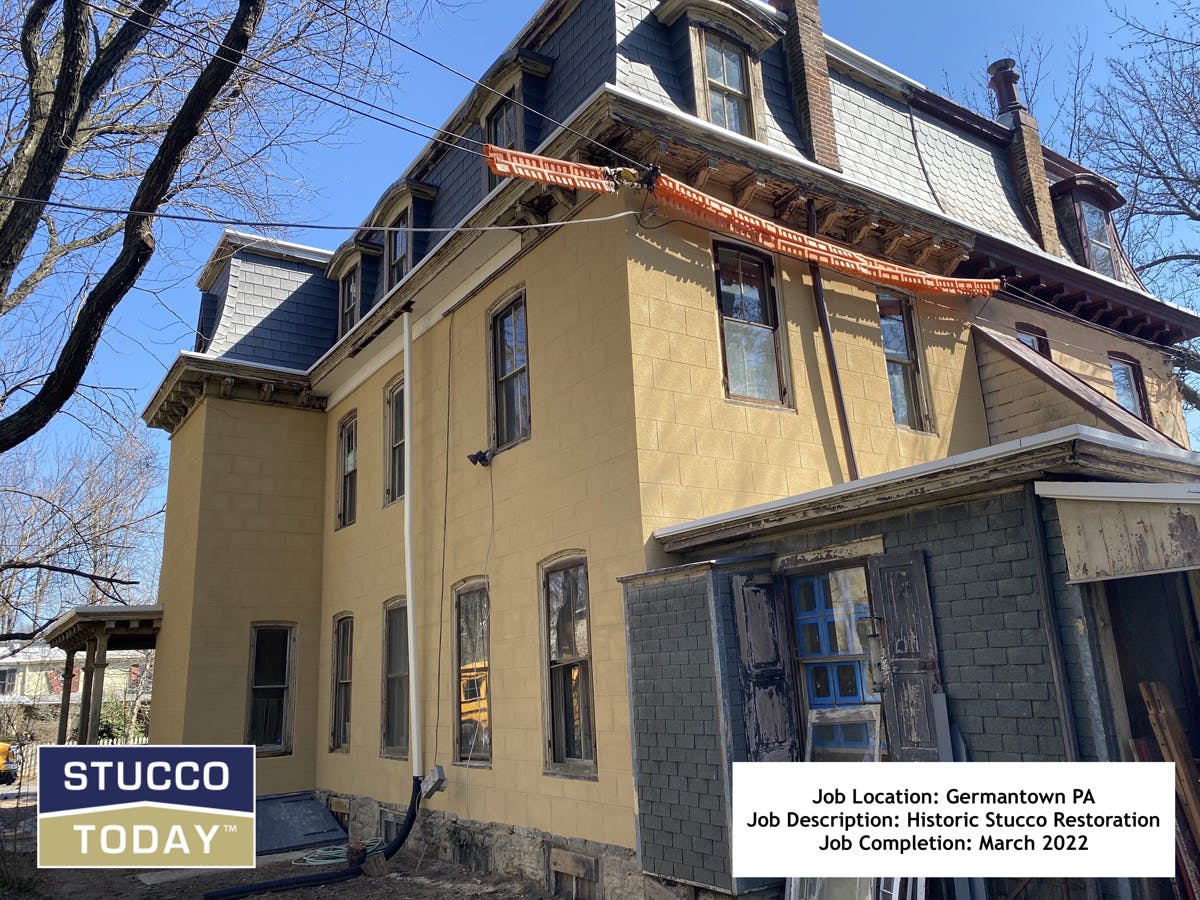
954	820
149	806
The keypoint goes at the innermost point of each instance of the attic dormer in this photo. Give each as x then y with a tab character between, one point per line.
1083	204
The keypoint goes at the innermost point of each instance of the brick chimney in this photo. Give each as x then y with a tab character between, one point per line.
1025	158
808	72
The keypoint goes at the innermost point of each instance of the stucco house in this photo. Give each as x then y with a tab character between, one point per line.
643	498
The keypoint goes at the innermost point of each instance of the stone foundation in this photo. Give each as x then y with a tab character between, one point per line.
549	863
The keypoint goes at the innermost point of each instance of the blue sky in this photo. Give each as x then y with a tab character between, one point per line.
937	42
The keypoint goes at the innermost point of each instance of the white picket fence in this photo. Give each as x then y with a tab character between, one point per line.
27	754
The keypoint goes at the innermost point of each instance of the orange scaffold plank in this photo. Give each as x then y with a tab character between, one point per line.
730	219
515	164
789	242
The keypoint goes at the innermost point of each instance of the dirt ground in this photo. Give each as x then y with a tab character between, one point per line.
409	878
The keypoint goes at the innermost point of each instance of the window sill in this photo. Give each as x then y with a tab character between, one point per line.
760	404
574	773
341	751
387	503
341	525
496	451
393	754
473	763
267	752
921	432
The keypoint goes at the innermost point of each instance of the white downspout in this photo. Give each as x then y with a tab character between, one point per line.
414	690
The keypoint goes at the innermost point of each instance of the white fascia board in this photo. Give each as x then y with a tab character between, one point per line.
1119	491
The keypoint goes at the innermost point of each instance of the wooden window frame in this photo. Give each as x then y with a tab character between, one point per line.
916	378
285	745
395	750
1041	341
498	380
392	447
743	99
349	299
399	265
510	99
477	758
768	270
347	483
341	693
1137	376
555	761
1085	237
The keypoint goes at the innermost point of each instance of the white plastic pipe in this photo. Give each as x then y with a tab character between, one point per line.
414	688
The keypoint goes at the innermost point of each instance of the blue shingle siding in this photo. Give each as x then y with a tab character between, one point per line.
646	57
458	176
584	52
276	312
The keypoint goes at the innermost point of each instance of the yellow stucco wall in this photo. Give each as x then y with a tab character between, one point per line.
630	430
571	486
254	556
1083	351
701	453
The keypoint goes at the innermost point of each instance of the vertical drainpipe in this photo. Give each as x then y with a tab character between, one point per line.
839	399
414	690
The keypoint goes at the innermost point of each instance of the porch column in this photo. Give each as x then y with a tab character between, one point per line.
85	692
64	709
97	703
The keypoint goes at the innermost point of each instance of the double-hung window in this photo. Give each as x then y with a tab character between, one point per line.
268	721
510	373
1129	385
749	325
726	81
347	444
899	349
569	654
395	443
474	722
1097	236
8	681
399	244
395	683
501	129
349	301
343	667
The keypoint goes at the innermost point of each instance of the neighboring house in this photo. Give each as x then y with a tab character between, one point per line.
655	468
31	674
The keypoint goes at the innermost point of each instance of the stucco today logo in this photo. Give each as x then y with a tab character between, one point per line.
146	807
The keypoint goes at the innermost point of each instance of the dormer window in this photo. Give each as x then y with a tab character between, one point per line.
724	42
1083	205
726	84
502	130
1098	241
349	301
399	249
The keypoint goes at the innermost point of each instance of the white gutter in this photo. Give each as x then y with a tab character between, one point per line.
414	690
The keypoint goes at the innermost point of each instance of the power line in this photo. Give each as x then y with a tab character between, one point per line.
325	99
437	62
243	223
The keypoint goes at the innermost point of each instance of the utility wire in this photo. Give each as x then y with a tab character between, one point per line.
206	220
322	98
437	62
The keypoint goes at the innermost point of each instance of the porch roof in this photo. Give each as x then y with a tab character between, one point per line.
127	627
1074	450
